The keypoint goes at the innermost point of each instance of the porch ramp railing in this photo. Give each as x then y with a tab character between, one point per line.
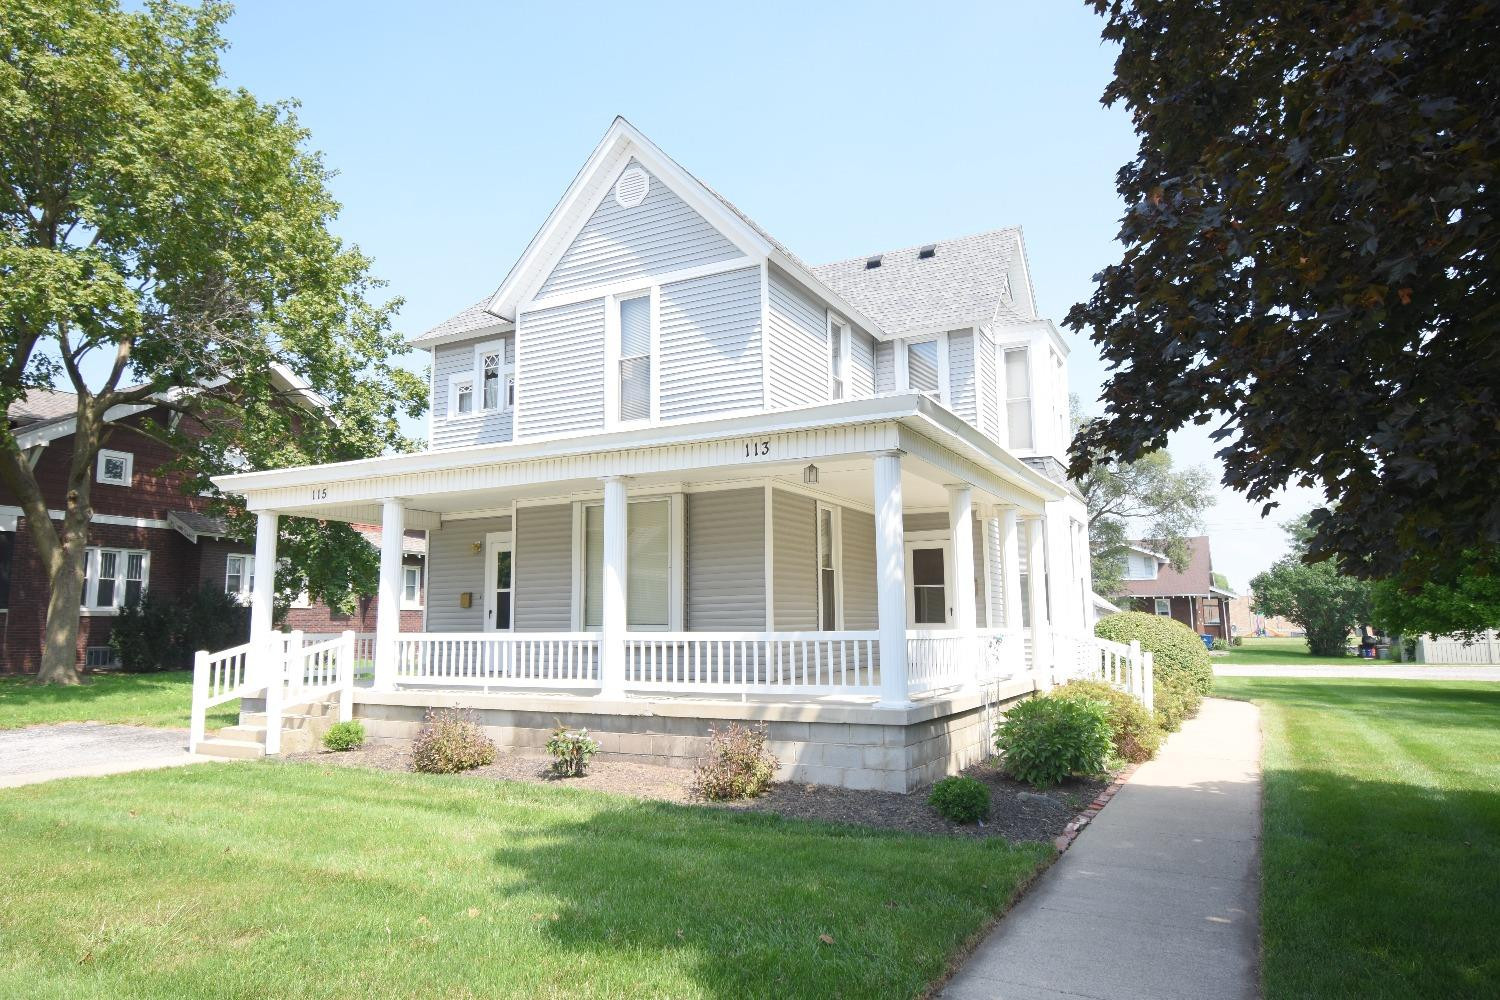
745	663
493	659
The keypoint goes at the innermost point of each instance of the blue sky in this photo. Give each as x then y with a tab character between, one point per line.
841	128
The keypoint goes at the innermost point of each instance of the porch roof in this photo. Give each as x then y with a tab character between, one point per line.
911	422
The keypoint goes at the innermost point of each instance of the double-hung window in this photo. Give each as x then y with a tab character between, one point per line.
924	368
838	358
648	565
830	590
1018	397
411	586
239	575
496	374
1164	606
461	395
634	371
115	577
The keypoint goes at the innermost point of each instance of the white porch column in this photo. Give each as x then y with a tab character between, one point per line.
1010	554
614	624
961	533
890	579
262	597
1036	573
388	605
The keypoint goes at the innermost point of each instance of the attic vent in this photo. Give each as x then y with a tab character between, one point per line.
873	262
630	189
927	252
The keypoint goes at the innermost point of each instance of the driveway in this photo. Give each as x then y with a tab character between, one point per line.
78	749
1395	672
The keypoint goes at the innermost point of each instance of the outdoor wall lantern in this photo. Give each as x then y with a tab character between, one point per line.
810	475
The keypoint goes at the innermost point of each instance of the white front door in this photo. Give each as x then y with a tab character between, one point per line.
499	602
929	597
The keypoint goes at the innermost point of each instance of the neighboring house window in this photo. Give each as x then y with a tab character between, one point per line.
1164	606
239	575
115	577
116	468
838	358
830	607
922	368
648	565
1211	612
460	395
411	586
1018	397
635	359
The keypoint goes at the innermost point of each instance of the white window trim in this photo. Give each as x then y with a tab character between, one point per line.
507	373
247	576
91	604
454	381
929	540
415	604
836	525
125	456
838	327
1030	397
496	542
612	357
1158	607
676	559
903	369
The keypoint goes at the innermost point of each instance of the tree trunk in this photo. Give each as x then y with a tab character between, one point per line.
60	639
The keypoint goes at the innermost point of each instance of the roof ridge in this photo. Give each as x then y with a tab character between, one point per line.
917	246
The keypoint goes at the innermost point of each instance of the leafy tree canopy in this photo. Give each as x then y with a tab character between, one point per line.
1466	607
160	231
1310	260
1326	603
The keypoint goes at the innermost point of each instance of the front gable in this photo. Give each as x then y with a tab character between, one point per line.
637	234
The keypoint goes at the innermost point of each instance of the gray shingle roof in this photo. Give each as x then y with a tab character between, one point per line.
963	284
472	318
41	405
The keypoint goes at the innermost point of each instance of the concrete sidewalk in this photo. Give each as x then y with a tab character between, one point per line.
86	749
1158	896
1395	672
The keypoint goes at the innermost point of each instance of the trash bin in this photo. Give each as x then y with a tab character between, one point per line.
1208	641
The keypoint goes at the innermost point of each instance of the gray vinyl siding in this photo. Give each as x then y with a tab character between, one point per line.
659	235
861	364
560	370
798	329
544	569
930	521
794	577
961	396
725	585
987	385
477	428
860	607
885	366
710	345
995	548
453	569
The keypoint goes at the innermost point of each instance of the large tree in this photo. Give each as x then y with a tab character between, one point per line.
160	231
1146	499
1468	606
1327	603
1310	262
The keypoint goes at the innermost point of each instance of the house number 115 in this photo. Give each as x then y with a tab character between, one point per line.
757	449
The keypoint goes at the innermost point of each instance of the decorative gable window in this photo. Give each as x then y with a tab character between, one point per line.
115	468
460	395
496	373
115	577
838	357
634	372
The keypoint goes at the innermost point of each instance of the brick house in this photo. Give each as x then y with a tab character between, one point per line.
147	532
1191	596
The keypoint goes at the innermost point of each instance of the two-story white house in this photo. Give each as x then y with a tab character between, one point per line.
676	476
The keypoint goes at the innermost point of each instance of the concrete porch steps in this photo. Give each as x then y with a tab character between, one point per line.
216	746
302	726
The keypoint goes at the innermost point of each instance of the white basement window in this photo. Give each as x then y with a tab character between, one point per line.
116	468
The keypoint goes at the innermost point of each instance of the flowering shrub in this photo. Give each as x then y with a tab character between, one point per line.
736	766
451	740
571	751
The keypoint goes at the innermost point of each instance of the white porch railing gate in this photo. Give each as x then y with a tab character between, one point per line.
1120	665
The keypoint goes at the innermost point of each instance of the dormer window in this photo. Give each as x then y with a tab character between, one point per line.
922	367
116	468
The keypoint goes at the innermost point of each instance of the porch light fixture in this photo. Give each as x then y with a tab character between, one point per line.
810	475
478	547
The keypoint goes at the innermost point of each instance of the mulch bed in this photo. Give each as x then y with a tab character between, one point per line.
1018	812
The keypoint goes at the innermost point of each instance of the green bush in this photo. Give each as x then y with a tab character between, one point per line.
1134	732
736	765
1220	646
158	632
571	751
960	799
1044	740
1183	670
344	736
451	741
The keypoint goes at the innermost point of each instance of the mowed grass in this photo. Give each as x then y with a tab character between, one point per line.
163	699
1381	849
292	880
1256	652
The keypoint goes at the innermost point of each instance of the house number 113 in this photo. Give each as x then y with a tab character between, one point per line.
757	449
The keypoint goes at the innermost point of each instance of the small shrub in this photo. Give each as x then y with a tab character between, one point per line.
736	766
961	799
1220	646
1183	670
571	751
1044	740
344	736
1134	731
451	741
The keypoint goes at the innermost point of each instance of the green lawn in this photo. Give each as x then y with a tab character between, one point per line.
1381	849
162	699
1259	652
293	880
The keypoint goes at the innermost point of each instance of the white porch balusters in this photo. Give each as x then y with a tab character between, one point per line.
388	606
890	579
613	623
1010	555
263	594
961	532
1042	652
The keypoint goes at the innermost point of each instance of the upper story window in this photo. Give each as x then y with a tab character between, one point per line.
1018	397
1060	399
923	368
460	395
838	358
496	374
115	577
1139	567
115	468
634	372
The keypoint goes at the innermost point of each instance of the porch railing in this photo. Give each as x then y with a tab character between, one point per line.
498	659
1121	665
845	663
217	678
